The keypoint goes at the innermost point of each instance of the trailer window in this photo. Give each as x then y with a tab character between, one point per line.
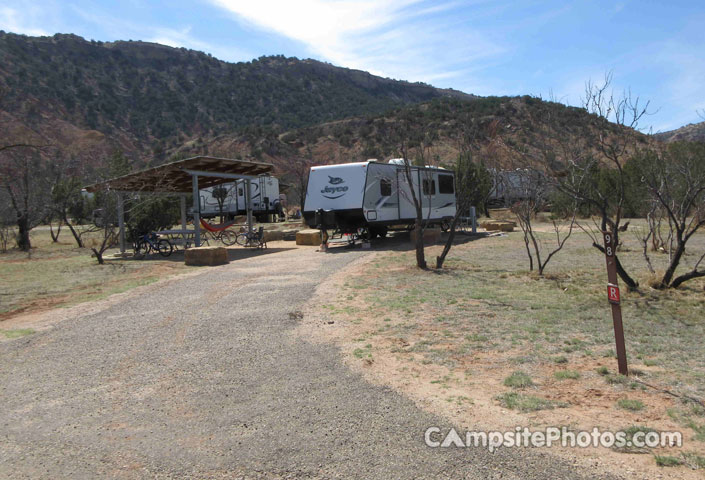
429	187
385	187
445	184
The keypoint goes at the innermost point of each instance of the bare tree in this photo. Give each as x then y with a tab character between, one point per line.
473	181
612	138
419	225
422	186
532	191
108	235
6	222
26	178
69	207
675	178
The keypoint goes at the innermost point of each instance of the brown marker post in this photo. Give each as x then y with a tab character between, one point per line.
614	298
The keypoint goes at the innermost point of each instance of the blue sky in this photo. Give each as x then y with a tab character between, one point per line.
546	48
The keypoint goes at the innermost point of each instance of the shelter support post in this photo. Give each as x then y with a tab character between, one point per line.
248	199
182	199
196	211
473	216
121	221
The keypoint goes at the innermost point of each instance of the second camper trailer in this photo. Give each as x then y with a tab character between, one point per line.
264	193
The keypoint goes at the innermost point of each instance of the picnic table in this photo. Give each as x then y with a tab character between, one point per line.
179	237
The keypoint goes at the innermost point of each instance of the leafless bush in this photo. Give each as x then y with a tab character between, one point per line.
675	179
532	189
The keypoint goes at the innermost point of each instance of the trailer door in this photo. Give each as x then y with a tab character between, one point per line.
407	210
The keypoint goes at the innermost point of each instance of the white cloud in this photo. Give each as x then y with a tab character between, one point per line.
12	21
173	37
394	38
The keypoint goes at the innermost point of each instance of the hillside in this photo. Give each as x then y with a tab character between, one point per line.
155	102
505	131
139	95
694	132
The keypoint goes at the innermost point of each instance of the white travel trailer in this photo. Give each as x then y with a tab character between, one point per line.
264	193
370	196
511	186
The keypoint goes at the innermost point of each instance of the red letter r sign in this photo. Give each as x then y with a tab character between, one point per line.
613	293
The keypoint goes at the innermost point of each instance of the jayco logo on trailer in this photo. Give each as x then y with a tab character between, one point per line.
332	192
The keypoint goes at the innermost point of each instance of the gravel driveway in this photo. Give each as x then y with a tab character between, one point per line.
202	377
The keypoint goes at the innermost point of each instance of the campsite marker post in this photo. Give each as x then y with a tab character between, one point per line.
613	297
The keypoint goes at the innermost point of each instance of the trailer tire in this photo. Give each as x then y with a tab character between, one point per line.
364	234
378	231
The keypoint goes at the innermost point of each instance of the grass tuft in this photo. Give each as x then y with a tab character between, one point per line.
617	379
667	461
629	404
17	333
518	379
694	460
566	375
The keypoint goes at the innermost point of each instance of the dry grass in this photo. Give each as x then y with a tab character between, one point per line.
484	317
58	274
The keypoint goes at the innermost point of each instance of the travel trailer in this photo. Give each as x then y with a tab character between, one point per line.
264	193
368	197
511	186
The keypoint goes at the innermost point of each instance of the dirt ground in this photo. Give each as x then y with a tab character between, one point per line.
458	368
57	274
205	377
56	281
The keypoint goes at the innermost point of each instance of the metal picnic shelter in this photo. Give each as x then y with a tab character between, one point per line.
181	178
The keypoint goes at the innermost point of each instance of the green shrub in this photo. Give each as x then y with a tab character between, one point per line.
518	379
566	375
628	404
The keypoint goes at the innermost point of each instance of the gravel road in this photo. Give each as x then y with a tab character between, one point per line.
202	377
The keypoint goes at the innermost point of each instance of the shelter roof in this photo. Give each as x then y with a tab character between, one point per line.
176	177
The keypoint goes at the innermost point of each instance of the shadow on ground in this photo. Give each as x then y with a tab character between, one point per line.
400	242
234	253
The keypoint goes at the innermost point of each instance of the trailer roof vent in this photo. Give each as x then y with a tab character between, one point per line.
396	161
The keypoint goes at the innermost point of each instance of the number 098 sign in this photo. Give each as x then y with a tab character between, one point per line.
614	298
609	248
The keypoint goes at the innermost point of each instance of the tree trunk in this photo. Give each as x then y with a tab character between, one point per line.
528	252
98	255
23	241
55	237
675	260
449	243
687	276
420	254
628	281
76	236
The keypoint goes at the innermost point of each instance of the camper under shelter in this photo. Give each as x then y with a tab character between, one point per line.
181	178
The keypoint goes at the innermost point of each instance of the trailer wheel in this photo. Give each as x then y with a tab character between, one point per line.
445	226
379	231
